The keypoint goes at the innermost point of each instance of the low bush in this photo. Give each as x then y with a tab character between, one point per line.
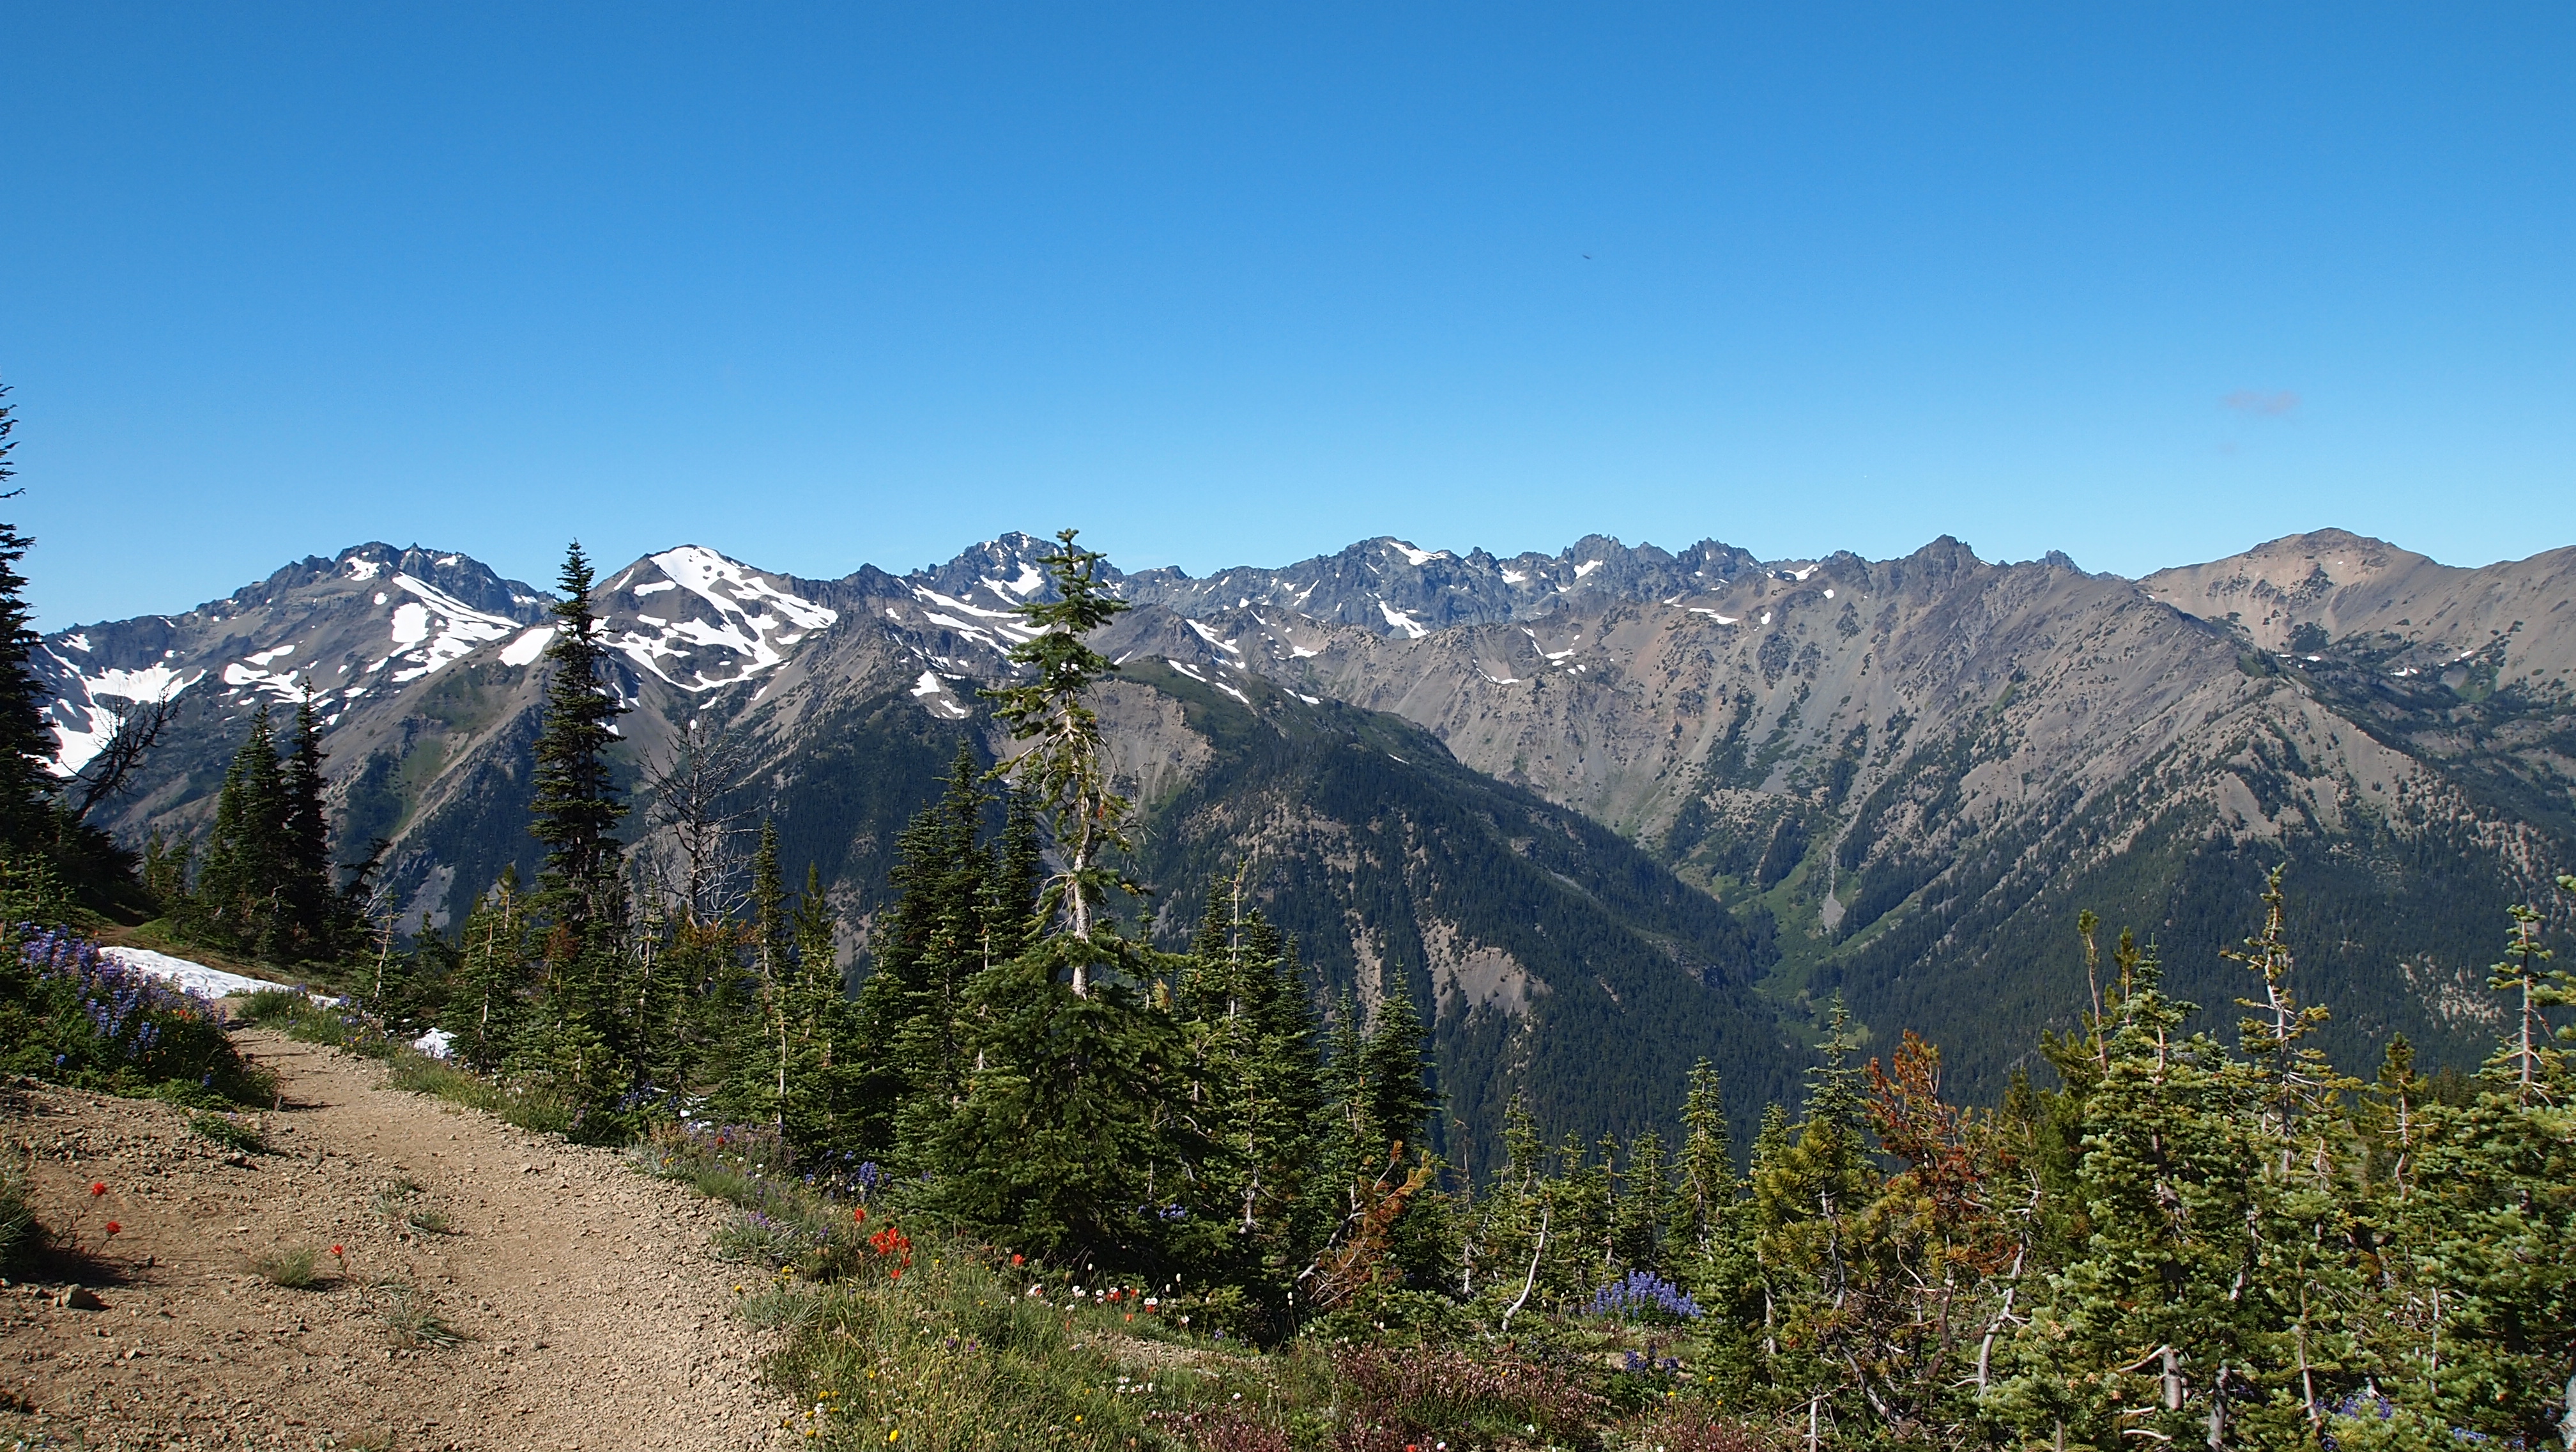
341	1026
531	1107
230	1131
70	1015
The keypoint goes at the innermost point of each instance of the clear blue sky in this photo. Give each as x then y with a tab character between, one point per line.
1226	284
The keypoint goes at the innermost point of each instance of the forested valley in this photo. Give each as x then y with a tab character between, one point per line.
2161	1235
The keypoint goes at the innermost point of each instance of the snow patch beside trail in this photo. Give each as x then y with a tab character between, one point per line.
437	1043
189	977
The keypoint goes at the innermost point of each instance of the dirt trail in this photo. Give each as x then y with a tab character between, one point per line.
592	1312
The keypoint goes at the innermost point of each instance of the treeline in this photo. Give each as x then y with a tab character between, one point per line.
2180	1239
266	885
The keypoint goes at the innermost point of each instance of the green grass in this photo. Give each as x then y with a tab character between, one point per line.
410	1318
401	1204
20	1232
229	1131
290	1267
528	1107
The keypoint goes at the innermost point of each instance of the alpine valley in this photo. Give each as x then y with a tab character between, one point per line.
1599	813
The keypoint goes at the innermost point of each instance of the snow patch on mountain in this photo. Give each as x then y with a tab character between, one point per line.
1212	638
526	648
1403	620
461	629
753	621
1416	558
82	727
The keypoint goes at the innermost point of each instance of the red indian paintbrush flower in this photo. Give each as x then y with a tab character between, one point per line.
97	1188
113	1227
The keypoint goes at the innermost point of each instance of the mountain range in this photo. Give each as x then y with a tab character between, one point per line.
1599	813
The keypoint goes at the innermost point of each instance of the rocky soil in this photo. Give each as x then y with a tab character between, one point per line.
585	1307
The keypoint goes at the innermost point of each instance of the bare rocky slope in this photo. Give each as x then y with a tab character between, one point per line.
1897	780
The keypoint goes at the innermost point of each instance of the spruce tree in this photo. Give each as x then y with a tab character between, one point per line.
581	894
1066	765
241	892
305	833
487	1008
576	805
2148	1330
1704	1166
26	743
1400	1099
2481	1330
1062	1135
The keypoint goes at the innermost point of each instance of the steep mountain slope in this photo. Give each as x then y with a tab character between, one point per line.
1548	954
1924	767
1898	780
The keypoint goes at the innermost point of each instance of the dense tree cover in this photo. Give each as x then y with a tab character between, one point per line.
265	885
2183	1238
2180	1238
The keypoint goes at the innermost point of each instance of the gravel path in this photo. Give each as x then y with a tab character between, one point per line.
590	1311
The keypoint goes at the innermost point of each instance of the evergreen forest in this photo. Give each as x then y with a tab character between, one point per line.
2160	1236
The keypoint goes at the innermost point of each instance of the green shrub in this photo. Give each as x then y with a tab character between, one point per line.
531	1106
229	1131
70	1015
20	1233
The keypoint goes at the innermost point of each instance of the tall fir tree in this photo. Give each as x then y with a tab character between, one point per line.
581	893
26	745
241	894
1065	763
319	921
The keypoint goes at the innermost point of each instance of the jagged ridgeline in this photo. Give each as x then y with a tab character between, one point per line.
1597	812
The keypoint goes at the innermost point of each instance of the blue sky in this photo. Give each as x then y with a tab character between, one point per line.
1225	284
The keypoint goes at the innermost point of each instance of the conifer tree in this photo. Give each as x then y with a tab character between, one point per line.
316	909
1065	766
1062	1135
2148	1330
577	806
242	890
487	1007
1400	1098
1637	1224
581	895
2481	1334
1704	1166
26	787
